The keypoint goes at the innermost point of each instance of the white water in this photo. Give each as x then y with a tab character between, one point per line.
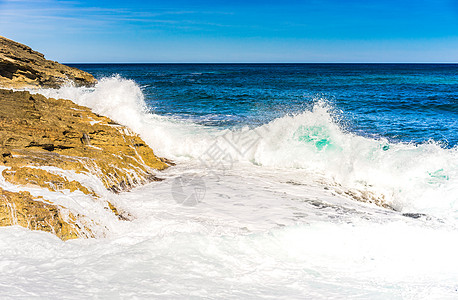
411	178
271	222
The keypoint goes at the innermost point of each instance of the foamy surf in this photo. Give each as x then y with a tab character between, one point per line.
280	212
411	178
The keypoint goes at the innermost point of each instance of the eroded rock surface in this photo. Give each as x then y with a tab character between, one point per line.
56	147
37	131
20	67
39	134
34	213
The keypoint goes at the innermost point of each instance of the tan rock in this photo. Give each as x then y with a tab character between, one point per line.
37	131
41	138
27	176
20	67
24	210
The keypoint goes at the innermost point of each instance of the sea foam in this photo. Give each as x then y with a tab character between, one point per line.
272	223
419	178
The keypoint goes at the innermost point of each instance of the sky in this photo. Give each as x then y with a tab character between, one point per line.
235	31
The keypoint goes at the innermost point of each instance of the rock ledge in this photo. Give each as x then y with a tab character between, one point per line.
59	148
20	67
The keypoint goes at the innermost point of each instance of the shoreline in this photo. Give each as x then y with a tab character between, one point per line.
57	145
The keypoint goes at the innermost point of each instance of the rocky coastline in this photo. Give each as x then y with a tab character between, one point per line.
42	140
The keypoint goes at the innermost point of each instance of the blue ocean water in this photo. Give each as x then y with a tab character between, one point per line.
411	103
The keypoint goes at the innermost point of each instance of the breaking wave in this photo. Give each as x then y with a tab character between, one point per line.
406	177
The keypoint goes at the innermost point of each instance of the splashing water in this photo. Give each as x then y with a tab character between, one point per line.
407	177
285	219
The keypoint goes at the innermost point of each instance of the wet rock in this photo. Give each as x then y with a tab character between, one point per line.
43	138
91	145
119	157
33	213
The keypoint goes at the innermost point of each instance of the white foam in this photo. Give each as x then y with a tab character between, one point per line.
271	224
319	261
410	178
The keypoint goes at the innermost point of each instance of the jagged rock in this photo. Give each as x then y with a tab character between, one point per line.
43	138
37	177
24	210
37	131
20	66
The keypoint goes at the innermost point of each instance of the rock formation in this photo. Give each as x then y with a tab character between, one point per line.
42	138
20	66
22	209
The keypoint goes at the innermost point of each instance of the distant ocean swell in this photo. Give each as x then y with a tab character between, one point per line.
411	178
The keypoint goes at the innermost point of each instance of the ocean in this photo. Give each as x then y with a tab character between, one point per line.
292	181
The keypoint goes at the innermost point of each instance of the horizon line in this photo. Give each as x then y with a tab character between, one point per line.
138	63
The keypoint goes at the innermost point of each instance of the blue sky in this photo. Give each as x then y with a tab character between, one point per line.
235	31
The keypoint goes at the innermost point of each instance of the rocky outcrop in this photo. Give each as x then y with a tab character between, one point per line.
20	67
39	134
37	131
43	140
24	210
